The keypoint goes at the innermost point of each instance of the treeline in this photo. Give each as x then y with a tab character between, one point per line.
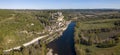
5	14
38	48
92	35
77	39
92	41
23	23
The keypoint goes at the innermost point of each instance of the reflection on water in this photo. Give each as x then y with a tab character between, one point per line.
64	45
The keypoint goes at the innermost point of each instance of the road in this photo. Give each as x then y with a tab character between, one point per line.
7	19
27	44
33	41
36	39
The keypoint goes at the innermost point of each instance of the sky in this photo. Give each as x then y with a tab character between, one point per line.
59	4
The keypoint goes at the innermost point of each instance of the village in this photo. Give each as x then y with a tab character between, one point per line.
59	26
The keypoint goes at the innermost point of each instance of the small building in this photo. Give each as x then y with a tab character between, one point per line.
57	16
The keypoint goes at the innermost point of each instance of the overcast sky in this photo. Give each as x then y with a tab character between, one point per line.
59	4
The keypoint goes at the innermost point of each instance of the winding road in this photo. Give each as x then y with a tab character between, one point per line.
34	40
27	44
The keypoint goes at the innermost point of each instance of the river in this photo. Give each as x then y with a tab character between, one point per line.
64	45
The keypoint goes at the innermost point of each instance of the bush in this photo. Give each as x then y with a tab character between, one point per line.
88	50
107	44
1	51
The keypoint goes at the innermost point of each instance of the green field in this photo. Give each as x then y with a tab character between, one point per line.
17	28
94	37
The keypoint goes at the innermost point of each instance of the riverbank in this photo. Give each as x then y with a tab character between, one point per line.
64	45
38	38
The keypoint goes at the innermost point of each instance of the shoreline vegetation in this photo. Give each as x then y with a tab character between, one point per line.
97	31
98	35
36	39
47	20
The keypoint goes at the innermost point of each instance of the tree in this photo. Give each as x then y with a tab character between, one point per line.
89	41
43	49
107	43
12	52
1	50
25	51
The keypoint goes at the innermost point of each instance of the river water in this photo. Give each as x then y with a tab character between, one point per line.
64	45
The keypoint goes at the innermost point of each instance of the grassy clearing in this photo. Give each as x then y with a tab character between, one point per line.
85	26
96	31
102	21
102	51
97	24
5	14
12	30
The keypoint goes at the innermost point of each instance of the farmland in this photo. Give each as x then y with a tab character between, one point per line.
98	36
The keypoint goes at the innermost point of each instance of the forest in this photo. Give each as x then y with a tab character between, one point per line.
98	33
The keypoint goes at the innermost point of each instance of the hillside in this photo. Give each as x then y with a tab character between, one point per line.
17	28
97	36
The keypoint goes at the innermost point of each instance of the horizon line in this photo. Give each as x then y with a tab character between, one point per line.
55	8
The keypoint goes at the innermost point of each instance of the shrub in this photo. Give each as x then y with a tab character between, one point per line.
107	44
